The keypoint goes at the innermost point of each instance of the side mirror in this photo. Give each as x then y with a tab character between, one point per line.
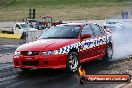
85	36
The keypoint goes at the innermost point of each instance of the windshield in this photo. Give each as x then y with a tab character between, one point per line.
25	26
60	32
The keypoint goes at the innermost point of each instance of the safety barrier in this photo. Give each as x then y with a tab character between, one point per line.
29	37
14	36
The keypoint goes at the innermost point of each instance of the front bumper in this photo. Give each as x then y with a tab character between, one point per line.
54	61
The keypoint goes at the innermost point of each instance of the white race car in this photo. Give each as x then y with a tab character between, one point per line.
113	25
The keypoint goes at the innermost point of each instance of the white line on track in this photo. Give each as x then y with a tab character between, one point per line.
10	46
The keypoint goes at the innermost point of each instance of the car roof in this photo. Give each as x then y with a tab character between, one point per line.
20	23
76	24
111	24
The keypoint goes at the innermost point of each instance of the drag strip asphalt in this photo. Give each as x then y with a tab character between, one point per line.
56	78
59	78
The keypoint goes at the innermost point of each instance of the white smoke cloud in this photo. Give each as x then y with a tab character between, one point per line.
122	42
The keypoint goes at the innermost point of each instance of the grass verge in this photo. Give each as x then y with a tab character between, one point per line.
63	9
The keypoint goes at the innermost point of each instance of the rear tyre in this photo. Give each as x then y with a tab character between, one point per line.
108	53
72	63
25	69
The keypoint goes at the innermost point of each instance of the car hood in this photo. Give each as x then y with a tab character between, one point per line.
46	44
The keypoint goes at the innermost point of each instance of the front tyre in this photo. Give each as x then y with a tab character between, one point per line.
72	63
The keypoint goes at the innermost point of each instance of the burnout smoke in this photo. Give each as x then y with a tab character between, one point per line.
122	42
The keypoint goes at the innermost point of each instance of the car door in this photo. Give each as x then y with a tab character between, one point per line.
86	42
99	40
18	29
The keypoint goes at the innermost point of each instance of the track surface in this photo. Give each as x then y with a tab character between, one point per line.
59	78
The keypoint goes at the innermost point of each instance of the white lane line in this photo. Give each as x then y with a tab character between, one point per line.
9	45
6	48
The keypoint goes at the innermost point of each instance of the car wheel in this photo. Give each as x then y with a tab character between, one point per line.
72	63
25	69
109	53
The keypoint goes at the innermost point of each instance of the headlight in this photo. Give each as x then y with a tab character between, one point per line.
54	52
17	53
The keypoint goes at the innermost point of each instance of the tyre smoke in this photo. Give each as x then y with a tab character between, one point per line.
122	39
